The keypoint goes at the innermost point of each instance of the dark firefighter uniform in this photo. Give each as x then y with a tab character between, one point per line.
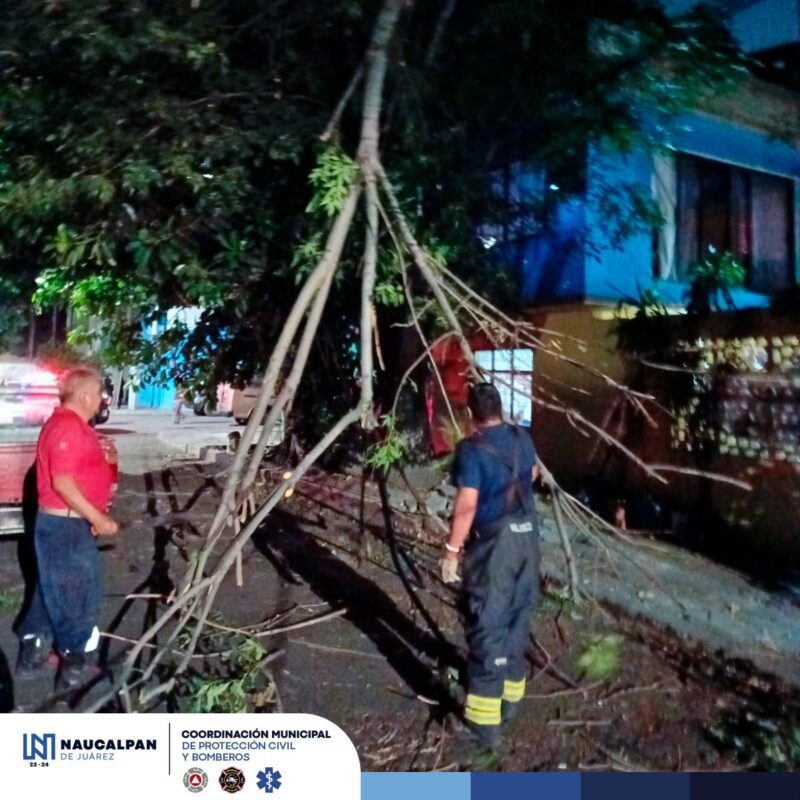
500	570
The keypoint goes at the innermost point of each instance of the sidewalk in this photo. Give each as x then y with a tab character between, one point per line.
147	439
689	594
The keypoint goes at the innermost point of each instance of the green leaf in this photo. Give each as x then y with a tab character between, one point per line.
389	294
391	451
331	180
601	659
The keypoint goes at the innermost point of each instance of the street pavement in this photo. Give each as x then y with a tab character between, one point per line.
146	439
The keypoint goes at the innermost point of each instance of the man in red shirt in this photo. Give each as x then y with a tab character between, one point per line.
74	485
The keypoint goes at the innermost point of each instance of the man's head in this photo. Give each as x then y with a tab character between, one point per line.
81	391
484	403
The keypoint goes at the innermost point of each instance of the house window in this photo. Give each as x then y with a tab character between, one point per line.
512	372
727	208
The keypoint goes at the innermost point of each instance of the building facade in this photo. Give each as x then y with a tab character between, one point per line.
725	179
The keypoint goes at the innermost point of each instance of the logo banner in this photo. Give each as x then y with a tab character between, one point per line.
165	756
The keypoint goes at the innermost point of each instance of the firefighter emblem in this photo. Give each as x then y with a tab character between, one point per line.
231	780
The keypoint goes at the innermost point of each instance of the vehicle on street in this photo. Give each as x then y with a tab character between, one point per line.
105	410
28	395
219	405
244	401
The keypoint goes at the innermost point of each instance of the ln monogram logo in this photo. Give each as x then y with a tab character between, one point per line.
39	748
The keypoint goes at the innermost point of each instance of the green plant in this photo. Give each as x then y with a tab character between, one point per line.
650	305
389	452
239	684
601	659
306	257
390	294
558	602
331	179
646	330
711	281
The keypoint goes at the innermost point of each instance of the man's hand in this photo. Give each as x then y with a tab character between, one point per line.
449	567
548	481
103	525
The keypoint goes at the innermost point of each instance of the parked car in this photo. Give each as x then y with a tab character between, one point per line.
221	404
105	410
28	395
244	401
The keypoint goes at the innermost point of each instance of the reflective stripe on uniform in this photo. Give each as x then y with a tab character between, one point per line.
94	640
482	710
513	691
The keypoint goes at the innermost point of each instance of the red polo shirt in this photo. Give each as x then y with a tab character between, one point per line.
69	446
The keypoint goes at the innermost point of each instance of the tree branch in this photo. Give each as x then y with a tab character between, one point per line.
333	125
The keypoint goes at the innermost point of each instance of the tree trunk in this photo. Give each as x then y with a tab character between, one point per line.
31	333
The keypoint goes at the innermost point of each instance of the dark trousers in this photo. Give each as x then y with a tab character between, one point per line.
501	579
66	598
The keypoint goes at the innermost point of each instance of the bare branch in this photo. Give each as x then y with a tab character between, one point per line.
333	249
286	395
336	118
572	569
438	33
421	260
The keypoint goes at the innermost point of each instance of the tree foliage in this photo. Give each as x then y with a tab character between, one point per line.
159	155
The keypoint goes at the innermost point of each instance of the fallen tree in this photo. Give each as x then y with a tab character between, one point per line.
371	191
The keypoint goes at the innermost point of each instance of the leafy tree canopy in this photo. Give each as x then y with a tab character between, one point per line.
158	154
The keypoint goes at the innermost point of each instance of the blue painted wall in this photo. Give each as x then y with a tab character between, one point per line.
552	265
725	141
163	395
770	23
580	261
615	273
757	25
156	396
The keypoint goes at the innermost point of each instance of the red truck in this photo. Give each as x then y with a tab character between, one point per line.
28	395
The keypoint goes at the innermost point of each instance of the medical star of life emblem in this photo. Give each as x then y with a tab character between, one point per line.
195	780
231	780
269	780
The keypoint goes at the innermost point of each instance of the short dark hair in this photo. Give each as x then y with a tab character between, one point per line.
484	402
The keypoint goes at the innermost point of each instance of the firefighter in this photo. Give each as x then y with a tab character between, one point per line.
494	536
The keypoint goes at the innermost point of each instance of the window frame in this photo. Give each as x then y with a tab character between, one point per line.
510	384
741	183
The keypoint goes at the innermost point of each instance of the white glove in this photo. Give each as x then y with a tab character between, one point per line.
449	568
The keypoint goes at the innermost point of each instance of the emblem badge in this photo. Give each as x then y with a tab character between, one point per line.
231	780
195	780
269	780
